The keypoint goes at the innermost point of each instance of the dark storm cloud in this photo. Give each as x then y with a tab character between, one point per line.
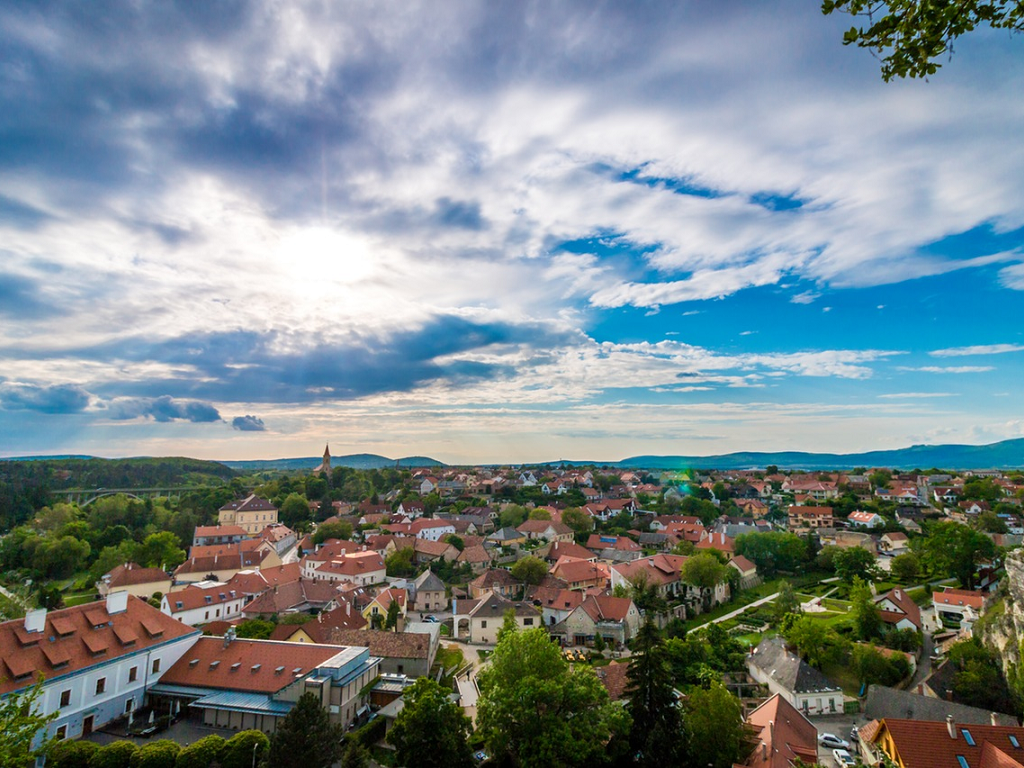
62	398
248	423
253	367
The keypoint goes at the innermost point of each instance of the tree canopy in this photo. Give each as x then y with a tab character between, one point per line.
22	727
306	738
431	731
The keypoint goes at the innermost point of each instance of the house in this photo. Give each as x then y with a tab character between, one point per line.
252	514
882	702
317	629
246	546
428	593
615	619
548	530
929	744
223	567
506	537
746	569
298	596
411	508
202	603
400	653
556	550
619	549
478	558
280	536
581	574
958	605
133	579
252	684
898	611
555	603
251	583
660	570
786	674
895	543
862	519
218	534
359	568
488	615
753	507
96	660
718	542
496	580
782	734
803	519
381	604
427	551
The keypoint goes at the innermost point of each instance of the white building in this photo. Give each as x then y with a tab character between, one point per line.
97	659
202	603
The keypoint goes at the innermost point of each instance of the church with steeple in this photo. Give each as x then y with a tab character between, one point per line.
325	465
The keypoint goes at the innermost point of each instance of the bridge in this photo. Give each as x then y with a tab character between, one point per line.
86	496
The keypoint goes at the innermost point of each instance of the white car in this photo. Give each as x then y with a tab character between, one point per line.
832	741
843	758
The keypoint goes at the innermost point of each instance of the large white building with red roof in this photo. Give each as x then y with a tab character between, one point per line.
97	660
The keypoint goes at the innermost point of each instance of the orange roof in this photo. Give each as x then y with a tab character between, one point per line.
209	531
606	607
234	562
128	574
924	744
973	598
783	735
263	666
71	638
356	564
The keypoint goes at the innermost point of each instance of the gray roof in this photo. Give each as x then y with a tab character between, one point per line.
428	582
495	606
788	669
904	705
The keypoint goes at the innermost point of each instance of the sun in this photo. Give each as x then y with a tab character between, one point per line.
322	256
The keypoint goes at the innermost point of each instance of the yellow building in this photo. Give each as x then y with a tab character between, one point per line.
252	514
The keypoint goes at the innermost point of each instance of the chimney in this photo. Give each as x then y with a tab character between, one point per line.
35	620
771	731
920	689
117	602
951	726
993	718
764	751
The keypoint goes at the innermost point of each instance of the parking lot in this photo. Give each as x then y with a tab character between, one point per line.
840	726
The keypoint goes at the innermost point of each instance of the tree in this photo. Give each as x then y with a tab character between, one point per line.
905	567
160	550
536	711
990	522
705	572
955	549
71	754
852	562
294	510
880	478
512	516
646	595
200	754
814	641
867	618
340	530
306	738
530	570
399	562
355	756
714	726
431	731
580	522
913	34
539	514
242	748
772	552
787	601
656	736
455	540
157	754
256	629
392	617
116	754
22	728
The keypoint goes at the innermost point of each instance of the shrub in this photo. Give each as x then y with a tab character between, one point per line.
117	754
202	753
158	754
71	754
239	749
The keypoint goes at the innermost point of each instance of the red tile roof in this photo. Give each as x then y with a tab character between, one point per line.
924	744
129	574
76	638
783	735
958	597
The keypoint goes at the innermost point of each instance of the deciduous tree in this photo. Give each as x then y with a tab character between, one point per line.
431	731
22	728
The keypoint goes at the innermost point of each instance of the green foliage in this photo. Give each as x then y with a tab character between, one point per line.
911	35
872	667
160	550
355	755
772	552
392	618
530	570
906	567
978	680
371	733
955	549
816	642
201	754
71	754
867	618
255	629
306	738
705	571
455	540
853	562
431	731
786	602
20	727
580	522
990	522
239	749
536	711
908	640
539	514
709	651
714	726
399	563
156	754
512	516
339	530
656	736
116	754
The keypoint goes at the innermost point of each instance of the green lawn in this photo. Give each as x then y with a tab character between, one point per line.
72	600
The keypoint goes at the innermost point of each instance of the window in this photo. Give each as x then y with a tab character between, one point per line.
65	698
156	666
401	668
1013	740
129	706
527	622
963	761
483	625
62	732
207	614
967	737
133	674
101	686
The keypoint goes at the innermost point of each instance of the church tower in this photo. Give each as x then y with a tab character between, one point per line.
325	465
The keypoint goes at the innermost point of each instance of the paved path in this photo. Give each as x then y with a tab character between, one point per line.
738	611
11	596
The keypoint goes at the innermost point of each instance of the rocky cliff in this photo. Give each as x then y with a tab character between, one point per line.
1002	627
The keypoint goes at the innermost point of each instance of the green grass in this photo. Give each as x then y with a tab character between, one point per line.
919	596
73	600
844	677
835	605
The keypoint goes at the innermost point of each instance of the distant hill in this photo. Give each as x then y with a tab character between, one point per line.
59	472
355	461
1004	455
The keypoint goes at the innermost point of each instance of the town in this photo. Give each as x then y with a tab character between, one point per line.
545	615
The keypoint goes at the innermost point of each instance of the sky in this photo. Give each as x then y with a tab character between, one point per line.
500	232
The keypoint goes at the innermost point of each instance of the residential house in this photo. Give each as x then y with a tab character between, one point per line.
782	734
958	605
254	582
252	514
659	570
746	569
803	519
555	603
427	551
298	596
411	508
202	603
318	628
862	519
615	619
381	605
556	550
428	593
506	537
400	653
280	536
496	580
894	543
548	530
253	684
718	542
754	507
619	549
581	574
478	558
819	490
488	615
133	579
898	611
246	546
359	568
929	744
96	659
785	673
223	567
218	534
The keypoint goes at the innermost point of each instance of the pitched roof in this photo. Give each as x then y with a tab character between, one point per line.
613	677
388	645
559	549
474	554
572	570
619	543
428	582
73	639
788	669
542	526
494	577
128	574
556	598
883	702
209	531
660	569
234	562
357	564
742	564
251	503
494	606
292	595
926	744
907	608
783	735
433	548
192	597
263	666
606	607
254	582
958	597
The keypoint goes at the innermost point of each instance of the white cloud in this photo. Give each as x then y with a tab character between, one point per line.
978	349
949	369
915	395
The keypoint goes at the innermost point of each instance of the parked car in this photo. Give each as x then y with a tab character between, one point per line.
480	756
430	619
843	758
832	741
854	734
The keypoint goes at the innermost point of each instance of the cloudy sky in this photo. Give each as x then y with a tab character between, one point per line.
500	231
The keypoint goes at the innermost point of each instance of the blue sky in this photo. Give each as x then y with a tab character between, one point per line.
500	232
